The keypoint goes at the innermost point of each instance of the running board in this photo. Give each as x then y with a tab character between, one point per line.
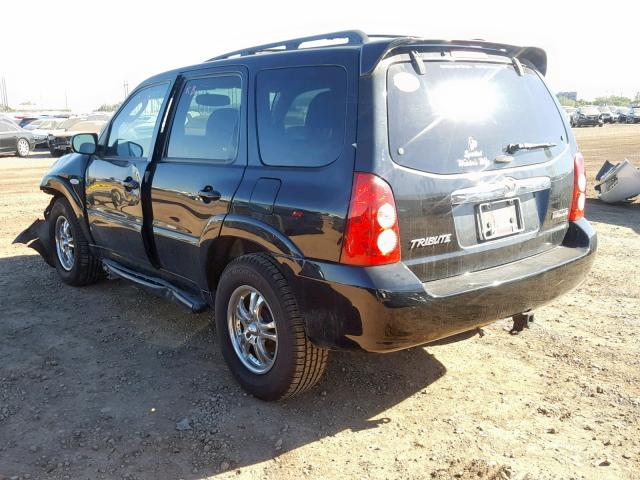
157	286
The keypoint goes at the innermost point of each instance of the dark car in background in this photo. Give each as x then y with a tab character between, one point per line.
14	139
634	115
622	113
302	195
588	116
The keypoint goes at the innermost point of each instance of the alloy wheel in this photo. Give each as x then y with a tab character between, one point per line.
23	147
252	329
64	243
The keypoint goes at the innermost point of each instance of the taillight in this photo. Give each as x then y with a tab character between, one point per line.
579	189
372	236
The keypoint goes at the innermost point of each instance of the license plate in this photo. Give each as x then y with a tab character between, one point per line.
499	219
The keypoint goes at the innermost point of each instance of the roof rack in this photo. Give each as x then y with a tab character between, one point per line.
376	47
354	37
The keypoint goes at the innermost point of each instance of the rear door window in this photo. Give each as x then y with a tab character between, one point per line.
459	116
207	119
301	115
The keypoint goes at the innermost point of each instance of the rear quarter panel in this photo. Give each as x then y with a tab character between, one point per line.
308	205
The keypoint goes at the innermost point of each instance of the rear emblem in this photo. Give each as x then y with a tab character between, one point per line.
427	241
472	156
563	212
472	145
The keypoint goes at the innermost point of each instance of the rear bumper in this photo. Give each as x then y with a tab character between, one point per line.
588	121
387	308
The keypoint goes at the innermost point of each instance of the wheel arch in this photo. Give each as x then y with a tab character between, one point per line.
240	235
60	187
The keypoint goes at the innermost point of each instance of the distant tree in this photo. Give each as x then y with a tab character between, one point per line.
612	100
566	102
636	99
108	107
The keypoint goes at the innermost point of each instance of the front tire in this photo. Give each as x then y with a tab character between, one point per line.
73	260
261	333
23	147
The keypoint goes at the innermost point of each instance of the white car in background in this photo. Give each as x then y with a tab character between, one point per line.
41	129
59	141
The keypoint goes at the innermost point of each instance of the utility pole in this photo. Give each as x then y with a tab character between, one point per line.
3	94
126	89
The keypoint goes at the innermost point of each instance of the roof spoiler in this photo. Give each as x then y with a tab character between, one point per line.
374	52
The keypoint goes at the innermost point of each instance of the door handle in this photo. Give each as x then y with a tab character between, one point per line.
130	184
208	194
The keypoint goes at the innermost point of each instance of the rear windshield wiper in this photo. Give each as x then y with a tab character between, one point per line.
514	147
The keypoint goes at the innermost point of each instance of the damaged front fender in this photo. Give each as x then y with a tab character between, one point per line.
38	236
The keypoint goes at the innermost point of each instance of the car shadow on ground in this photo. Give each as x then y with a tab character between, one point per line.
32	155
134	385
40	154
621	214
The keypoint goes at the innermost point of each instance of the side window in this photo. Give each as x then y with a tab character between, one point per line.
132	130
206	124
301	115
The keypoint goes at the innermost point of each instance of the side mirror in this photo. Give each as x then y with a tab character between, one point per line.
85	143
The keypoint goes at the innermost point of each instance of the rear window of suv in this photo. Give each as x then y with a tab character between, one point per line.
301	115
459	116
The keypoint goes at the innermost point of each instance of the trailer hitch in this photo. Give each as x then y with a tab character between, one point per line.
520	322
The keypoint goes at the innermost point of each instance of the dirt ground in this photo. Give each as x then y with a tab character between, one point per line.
97	382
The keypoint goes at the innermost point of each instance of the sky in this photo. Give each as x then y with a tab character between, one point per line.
80	53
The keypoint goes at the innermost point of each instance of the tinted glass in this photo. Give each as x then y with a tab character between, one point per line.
207	119
132	130
459	116
301	115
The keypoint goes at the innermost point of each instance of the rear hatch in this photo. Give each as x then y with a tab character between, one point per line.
482	167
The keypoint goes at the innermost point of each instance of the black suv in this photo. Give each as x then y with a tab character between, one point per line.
374	194
587	116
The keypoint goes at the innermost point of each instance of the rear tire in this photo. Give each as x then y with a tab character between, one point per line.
73	260
292	364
